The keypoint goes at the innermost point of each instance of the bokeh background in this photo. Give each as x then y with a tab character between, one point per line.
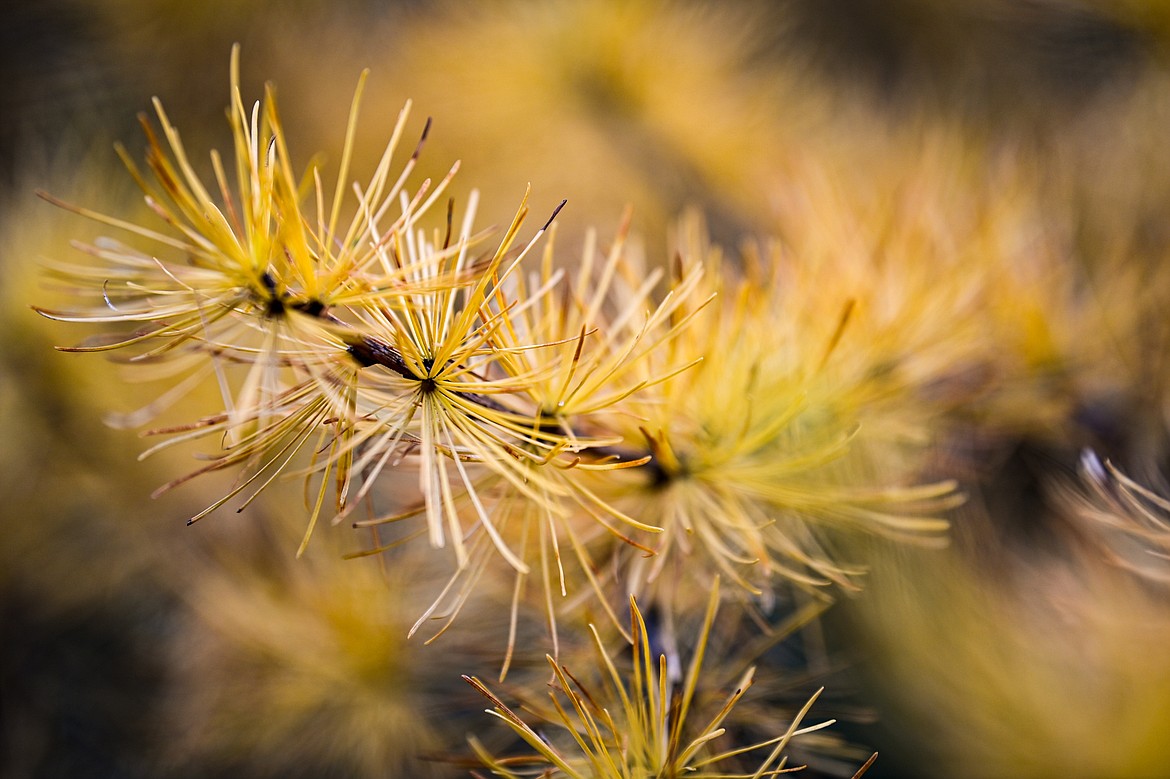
989	176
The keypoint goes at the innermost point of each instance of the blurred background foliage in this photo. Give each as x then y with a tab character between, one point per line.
988	179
